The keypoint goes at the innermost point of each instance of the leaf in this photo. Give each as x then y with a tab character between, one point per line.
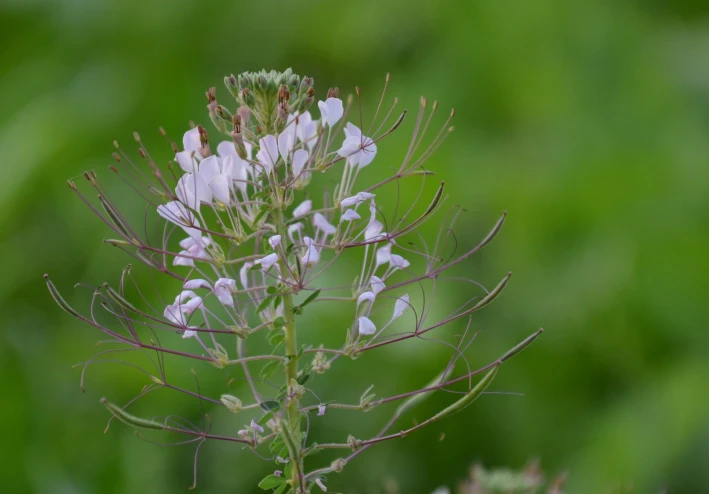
303	378
310	298
269	405
264	304
276	339
271	482
281	489
269	369
279	322
272	290
265	418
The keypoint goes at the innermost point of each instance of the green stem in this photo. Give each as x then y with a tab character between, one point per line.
291	349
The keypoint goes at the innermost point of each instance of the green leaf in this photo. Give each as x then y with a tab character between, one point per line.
303	378
279	322
310	298
271	482
264	304
269	405
276	339
265	418
281	489
269	369
272	290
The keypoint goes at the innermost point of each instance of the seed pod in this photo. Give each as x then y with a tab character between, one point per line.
132	420
470	397
419	398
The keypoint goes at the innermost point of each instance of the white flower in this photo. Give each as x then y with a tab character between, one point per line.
302	209
366	326
185	304
366	296
383	254
189	333
268	261
192	190
299	159
321	485
402	303
195	284
373	230
217	174
223	289
312	256
240	168
175	212
349	215
306	129
286	142
321	223
191	144
376	284
255	426
331	111
398	262
293	229
192	249
358	148
274	241
268	154
356	199
321	410
244	274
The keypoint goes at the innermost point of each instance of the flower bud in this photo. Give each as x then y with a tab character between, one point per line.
232	403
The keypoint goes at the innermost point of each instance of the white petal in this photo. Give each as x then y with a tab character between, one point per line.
192	305
244	274
321	223
268	261
299	159
366	326
186	161
303	208
268	154
351	130
183	261
174	315
311	256
376	284
294	228
366	296
191	140
223	289
209	168
402	303
373	230
255	426
220	186
383	254
286	141
274	241
189	333
350	147
350	215
399	262
331	110
369	151
226	148
321	410
195	284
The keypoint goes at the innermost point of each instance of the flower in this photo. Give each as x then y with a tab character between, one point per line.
268	261
223	289
401	304
244	274
240	168
349	215
195	284
321	410
331	111
274	241
376	284
216	173
366	296
255	426
299	159
312	256
366	326
302	209
192	145
175	212
321	223
356	199
293	229
185	304
306	129
359	149
398	262
193	190
268	154
383	254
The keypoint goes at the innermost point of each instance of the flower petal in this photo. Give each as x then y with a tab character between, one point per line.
366	326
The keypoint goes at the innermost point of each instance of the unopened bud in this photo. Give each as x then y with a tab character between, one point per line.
333	92
211	94
232	403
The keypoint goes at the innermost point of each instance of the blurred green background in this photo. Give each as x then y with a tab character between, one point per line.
588	121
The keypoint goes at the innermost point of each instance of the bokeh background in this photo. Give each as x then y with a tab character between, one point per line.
588	121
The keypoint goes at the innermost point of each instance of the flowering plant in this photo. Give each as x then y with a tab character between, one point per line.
254	247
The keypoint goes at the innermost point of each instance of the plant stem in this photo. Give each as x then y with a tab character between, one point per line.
291	371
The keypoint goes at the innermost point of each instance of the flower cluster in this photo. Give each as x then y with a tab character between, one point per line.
249	242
